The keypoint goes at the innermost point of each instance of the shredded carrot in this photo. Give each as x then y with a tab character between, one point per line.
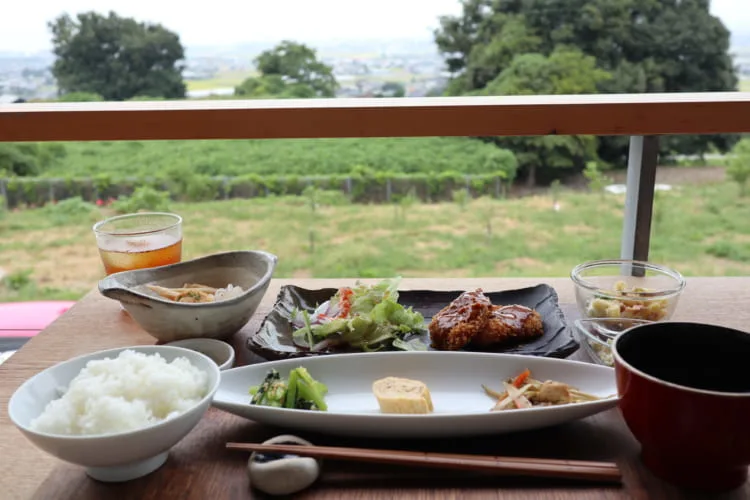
345	302
521	378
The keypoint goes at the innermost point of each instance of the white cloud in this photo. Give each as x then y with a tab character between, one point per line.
219	22
734	13
23	24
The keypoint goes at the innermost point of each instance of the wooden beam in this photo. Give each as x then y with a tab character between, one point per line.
608	114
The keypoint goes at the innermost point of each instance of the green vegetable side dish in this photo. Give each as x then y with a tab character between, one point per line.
300	391
365	318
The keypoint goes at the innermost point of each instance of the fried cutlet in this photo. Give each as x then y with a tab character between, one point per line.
458	322
509	324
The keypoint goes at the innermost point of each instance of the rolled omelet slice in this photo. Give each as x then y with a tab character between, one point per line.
401	395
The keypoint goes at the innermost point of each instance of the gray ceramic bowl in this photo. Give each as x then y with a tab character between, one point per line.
221	353
168	320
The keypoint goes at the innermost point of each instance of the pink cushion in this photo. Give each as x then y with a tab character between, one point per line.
26	319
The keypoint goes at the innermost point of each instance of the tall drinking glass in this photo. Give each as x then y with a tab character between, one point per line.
138	241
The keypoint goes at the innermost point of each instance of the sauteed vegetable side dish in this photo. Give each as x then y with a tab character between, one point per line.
300	391
523	391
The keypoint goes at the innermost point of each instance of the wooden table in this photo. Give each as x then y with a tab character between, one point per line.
199	467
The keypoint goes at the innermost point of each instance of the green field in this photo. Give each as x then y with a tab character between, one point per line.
220	80
276	157
700	230
225	79
744	85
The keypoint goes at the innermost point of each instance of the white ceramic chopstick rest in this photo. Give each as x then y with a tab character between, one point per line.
277	474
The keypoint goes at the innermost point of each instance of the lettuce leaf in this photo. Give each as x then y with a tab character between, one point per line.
375	321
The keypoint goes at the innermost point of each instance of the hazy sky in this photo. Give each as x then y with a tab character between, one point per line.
221	22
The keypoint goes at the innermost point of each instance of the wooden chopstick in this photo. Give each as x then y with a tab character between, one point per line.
605	472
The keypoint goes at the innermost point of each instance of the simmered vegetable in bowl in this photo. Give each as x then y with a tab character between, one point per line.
627	289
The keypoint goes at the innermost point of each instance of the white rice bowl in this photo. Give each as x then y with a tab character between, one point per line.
129	392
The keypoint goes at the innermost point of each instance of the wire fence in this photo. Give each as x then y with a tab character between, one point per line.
382	188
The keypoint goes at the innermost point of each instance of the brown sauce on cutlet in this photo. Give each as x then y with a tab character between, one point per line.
466	307
514	316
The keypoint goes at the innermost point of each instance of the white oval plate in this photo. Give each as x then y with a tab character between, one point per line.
455	382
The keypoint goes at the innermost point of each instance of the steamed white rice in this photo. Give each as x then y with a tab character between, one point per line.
129	392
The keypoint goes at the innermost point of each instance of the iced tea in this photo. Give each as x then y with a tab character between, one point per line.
138	241
141	253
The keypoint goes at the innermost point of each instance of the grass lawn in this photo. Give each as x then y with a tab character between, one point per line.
744	85
699	230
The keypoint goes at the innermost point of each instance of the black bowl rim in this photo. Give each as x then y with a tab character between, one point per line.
659	324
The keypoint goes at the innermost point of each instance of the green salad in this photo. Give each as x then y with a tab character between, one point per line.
367	318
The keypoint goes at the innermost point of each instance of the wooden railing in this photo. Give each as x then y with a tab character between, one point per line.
642	116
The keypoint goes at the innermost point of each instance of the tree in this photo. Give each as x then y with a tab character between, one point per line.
565	71
596	180
391	89
290	70
496	45
115	57
28	159
16	160
273	86
739	165
647	46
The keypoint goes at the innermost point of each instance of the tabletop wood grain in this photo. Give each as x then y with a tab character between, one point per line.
199	467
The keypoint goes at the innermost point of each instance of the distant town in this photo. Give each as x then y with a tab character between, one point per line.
362	68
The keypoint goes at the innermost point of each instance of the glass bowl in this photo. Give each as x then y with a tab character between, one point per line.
626	289
596	335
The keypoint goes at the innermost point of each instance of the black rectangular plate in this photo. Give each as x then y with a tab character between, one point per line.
273	340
